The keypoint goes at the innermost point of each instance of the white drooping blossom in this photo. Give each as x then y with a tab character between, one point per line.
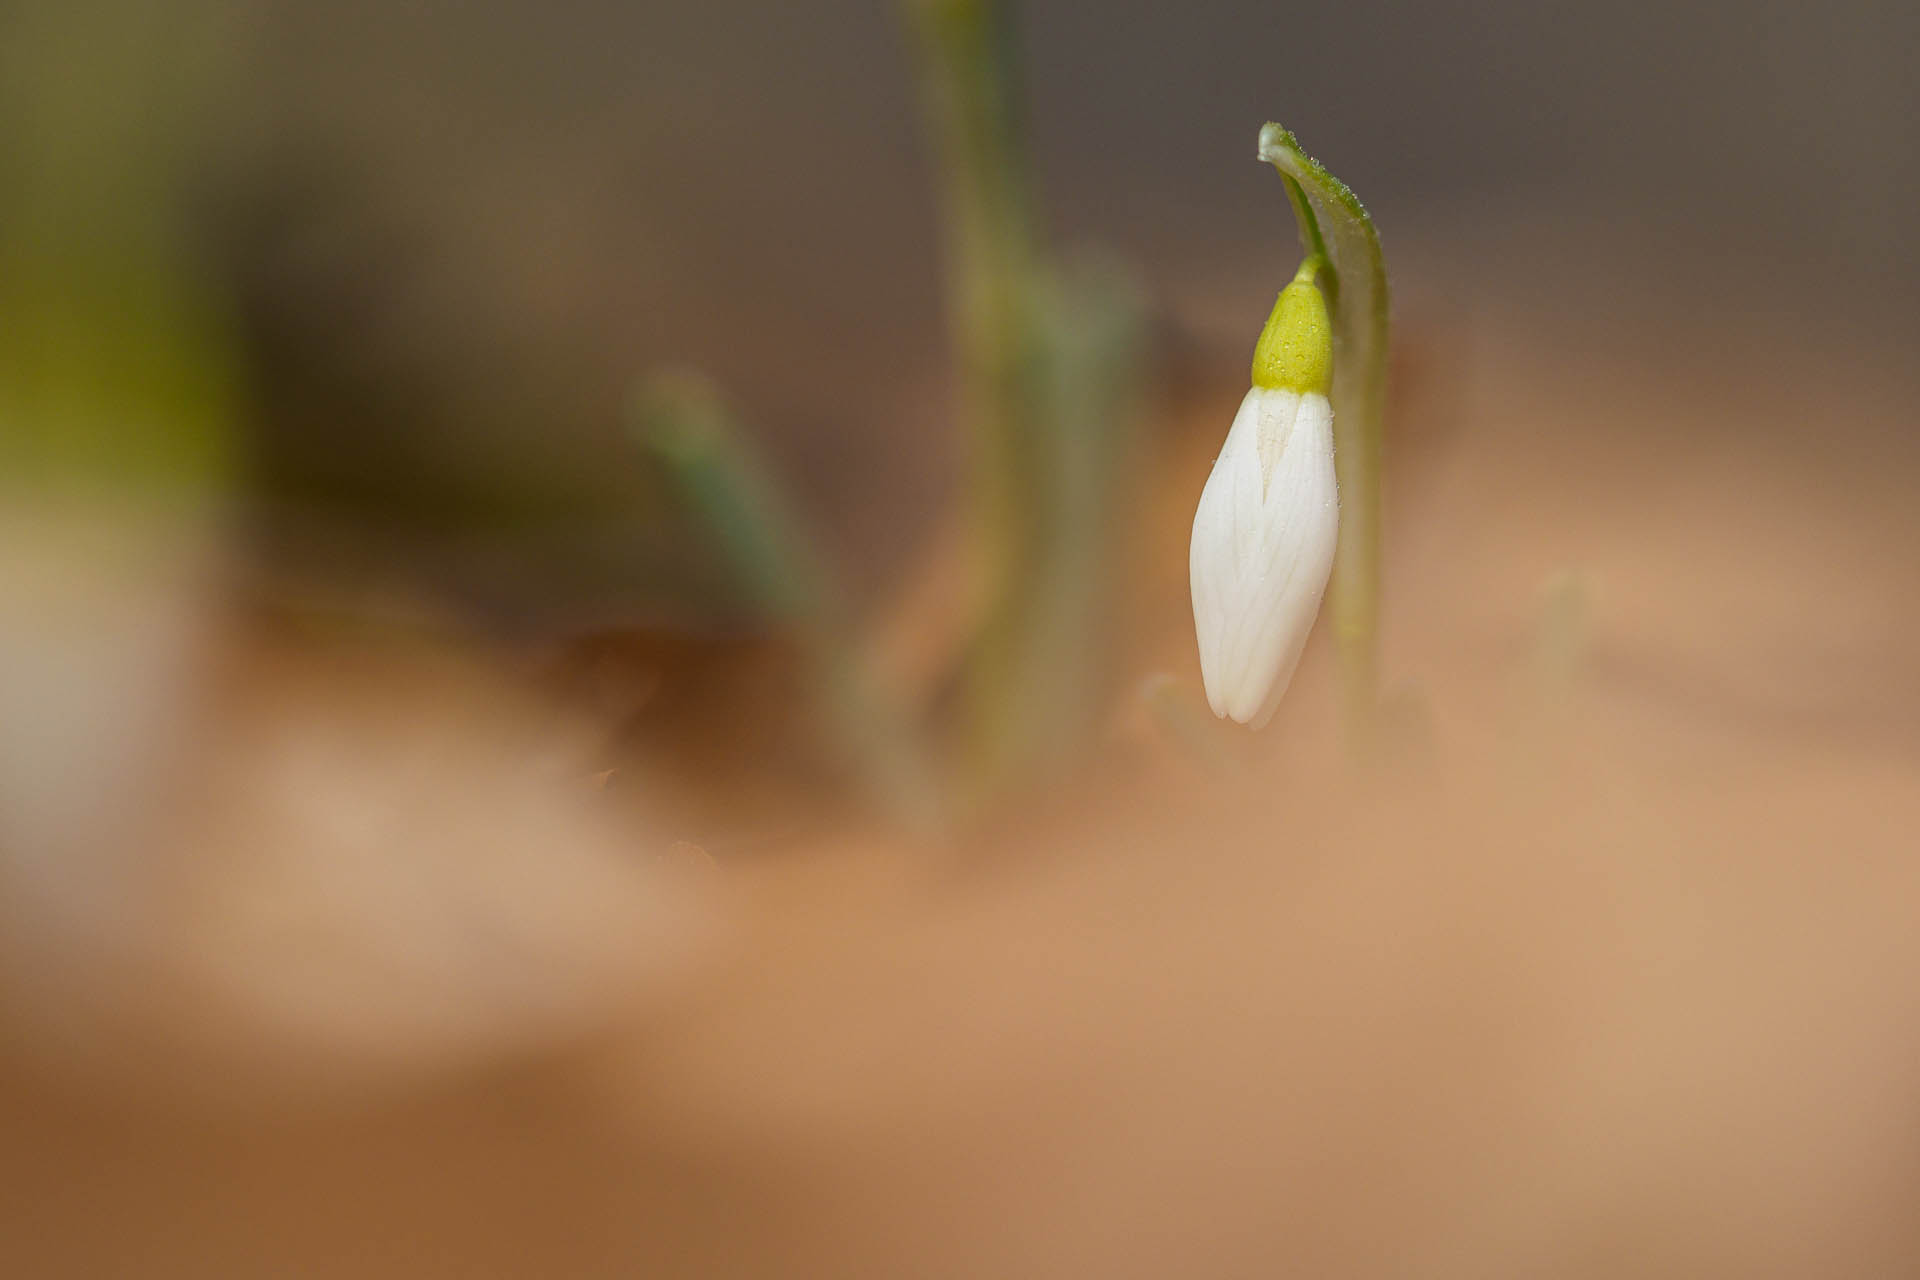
1264	535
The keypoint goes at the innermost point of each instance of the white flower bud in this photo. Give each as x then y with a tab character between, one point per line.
1264	535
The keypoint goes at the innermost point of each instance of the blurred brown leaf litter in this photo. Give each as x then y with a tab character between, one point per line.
392	992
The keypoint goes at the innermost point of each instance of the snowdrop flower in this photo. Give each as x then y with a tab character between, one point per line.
1264	535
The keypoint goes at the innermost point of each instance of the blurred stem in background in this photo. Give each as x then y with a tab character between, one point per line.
1049	361
117	374
682	423
1046	363
1335	226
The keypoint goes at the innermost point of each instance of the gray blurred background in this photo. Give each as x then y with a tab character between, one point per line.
453	233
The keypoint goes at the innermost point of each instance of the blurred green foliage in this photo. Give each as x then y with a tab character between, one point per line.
117	366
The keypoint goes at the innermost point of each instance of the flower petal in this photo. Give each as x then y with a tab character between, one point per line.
1263	542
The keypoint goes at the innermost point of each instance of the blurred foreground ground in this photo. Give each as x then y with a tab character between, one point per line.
1611	971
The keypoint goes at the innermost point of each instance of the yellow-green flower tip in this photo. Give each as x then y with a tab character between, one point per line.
1295	352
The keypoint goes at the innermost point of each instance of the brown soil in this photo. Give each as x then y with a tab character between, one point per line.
1609	969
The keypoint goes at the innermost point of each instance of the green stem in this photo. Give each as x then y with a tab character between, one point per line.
682	423
1313	245
1311	268
1356	287
968	71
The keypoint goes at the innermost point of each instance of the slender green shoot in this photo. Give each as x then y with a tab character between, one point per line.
1049	354
683	424
967	69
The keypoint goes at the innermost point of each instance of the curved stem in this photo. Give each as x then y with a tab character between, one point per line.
1311	268
1312	243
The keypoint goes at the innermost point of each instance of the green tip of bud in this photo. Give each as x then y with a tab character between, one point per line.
1295	352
